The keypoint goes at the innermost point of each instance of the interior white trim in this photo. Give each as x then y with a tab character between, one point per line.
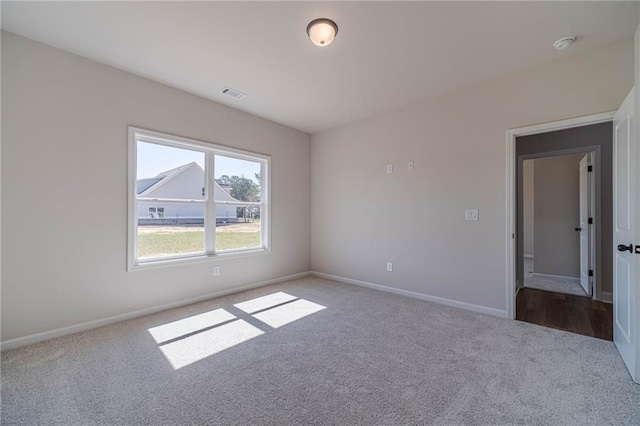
64	331
441	300
511	134
528	256
607	297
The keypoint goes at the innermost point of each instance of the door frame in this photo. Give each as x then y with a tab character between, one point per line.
510	234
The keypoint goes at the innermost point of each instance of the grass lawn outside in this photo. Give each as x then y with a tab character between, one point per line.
157	241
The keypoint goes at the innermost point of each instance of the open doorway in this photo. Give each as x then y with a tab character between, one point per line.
559	227
563	223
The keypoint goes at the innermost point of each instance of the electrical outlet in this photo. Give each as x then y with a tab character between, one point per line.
410	166
389	267
389	168
216	270
471	215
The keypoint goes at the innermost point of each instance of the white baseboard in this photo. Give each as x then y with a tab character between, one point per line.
528	256
562	277
422	296
64	331
607	297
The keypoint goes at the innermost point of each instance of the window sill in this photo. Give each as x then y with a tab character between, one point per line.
165	263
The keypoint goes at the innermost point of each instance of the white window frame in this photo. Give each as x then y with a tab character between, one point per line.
210	150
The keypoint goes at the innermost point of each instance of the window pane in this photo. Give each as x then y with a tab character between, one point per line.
236	180
177	229
241	232
172	195
168	172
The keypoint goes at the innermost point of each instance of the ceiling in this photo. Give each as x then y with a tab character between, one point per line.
386	55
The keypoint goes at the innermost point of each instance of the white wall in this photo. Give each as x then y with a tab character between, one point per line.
556	214
64	130
528	186
363	217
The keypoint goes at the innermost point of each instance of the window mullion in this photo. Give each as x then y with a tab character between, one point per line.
210	207
264	214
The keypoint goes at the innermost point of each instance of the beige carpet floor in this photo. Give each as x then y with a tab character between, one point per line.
313	351
550	283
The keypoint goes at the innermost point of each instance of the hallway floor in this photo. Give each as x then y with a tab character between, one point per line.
550	283
576	314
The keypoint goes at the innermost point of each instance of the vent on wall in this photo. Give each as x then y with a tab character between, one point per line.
233	93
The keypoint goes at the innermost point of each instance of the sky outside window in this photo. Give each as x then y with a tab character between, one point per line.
154	159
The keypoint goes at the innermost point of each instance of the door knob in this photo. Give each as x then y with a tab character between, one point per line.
622	247
578	229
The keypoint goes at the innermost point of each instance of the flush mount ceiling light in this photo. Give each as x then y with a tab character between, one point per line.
564	42
322	31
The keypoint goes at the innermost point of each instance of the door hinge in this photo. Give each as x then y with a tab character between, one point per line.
590	221
590	168
590	272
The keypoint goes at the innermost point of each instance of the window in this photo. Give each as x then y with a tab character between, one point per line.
191	200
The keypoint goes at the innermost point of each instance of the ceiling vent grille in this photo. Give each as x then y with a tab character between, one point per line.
233	93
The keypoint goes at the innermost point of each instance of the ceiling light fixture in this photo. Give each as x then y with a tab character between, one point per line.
322	31
564	42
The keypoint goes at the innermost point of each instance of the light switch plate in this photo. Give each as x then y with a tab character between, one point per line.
389	168
410	166
471	215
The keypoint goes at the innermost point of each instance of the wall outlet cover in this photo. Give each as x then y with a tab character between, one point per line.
471	215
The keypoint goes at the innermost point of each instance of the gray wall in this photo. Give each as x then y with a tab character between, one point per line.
64	149
363	217
557	213
528	168
581	138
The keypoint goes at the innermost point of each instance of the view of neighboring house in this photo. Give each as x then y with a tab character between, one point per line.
185	182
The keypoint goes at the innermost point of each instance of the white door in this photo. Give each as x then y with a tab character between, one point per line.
585	229
625	181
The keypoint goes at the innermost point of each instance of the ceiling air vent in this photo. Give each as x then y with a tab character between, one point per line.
233	93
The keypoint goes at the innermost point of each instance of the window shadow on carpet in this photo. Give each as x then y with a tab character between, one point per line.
197	337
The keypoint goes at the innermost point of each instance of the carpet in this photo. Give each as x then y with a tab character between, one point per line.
549	282
313	351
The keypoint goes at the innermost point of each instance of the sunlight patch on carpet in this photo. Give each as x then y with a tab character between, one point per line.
173	330
265	302
285	314
194	348
186	341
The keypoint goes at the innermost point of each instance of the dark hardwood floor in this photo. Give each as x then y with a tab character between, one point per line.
577	314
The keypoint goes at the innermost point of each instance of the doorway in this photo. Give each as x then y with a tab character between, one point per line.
558	212
618	248
568	281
